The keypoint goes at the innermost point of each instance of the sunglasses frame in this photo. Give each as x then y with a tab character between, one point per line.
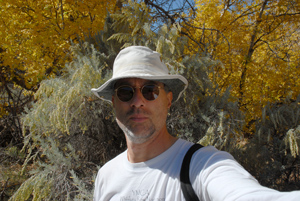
134	89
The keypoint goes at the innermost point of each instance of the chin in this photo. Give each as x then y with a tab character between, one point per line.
136	138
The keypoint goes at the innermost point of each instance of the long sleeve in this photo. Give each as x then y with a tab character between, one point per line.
222	178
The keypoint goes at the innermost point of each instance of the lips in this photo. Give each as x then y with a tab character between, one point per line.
138	118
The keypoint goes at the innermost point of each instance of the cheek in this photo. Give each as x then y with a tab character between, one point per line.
118	111
117	108
161	111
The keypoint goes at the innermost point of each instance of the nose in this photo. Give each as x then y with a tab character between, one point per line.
138	99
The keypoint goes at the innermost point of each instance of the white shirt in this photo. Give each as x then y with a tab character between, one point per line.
214	175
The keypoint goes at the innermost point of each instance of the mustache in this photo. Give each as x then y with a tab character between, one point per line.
133	111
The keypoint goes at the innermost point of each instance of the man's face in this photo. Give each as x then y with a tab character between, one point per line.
139	118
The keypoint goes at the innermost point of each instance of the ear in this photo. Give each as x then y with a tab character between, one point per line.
170	98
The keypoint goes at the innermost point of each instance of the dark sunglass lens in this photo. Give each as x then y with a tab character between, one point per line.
125	93
150	92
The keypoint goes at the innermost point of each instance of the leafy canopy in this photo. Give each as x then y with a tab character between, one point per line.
258	43
35	35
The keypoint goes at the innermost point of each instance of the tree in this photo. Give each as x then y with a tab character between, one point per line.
68	131
35	38
68	154
256	41
67	112
35	41
36	35
165	11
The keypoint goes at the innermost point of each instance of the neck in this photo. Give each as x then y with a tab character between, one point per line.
153	147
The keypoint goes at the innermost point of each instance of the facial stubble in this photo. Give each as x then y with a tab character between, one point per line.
137	133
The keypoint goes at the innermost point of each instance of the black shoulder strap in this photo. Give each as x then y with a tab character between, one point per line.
186	186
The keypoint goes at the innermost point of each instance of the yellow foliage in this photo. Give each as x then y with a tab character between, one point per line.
258	43
35	35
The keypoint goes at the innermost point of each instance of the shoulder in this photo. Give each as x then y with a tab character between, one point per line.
211	154
208	160
202	157
108	169
209	157
112	164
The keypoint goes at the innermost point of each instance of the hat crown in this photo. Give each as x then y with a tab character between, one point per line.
138	61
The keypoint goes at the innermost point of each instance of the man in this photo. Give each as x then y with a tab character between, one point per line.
142	91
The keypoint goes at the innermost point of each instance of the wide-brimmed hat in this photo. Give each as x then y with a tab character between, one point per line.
141	62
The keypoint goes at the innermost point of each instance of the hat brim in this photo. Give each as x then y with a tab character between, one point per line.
176	83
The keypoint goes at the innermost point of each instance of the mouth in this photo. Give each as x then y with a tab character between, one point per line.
138	118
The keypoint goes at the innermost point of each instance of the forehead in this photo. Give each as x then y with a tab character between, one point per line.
135	82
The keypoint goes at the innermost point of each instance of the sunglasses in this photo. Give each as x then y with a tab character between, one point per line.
125	93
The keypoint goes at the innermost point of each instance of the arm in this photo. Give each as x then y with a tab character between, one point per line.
222	178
